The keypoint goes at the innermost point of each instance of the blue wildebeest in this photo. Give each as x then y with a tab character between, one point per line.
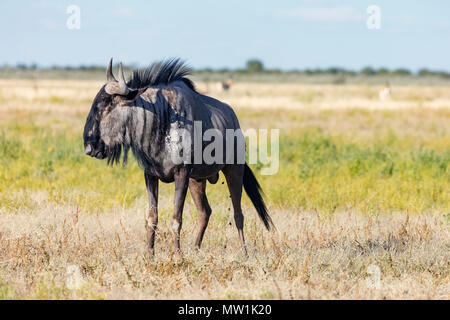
142	114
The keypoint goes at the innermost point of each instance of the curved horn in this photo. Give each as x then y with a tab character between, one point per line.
113	86
109	74
122	84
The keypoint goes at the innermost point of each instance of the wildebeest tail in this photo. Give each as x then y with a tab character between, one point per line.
254	192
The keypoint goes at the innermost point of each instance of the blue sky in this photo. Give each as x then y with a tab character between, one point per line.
283	34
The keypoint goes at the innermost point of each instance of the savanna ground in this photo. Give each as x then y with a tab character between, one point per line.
363	185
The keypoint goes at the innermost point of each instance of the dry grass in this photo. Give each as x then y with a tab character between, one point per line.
310	257
48	229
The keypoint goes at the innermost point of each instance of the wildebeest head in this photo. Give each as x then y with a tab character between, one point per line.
105	128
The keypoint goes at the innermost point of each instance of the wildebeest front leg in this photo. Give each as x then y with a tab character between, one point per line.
152	218
181	185
198	193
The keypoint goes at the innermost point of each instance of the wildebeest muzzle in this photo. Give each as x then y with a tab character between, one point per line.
95	151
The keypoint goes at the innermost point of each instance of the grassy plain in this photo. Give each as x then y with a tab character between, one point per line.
361	183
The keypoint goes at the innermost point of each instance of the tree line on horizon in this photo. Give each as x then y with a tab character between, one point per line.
256	66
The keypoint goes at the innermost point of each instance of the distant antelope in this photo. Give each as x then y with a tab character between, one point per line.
385	92
225	85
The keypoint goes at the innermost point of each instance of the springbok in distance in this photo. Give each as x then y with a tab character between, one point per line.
225	85
385	92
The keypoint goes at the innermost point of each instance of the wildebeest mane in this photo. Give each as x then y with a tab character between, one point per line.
162	72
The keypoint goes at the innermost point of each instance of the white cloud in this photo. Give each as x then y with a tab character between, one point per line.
323	14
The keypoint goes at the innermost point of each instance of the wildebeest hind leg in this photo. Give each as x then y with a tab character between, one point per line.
198	193
234	175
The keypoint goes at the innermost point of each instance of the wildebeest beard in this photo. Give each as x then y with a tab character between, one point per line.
113	154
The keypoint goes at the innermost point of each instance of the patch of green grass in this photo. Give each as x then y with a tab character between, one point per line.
46	289
384	173
7	292
374	173
56	99
9	148
41	160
